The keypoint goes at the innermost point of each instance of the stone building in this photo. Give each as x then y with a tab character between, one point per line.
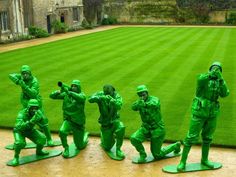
16	16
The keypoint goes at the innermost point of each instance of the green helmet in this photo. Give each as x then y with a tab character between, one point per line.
108	89
142	88
25	68
216	64
33	102
75	82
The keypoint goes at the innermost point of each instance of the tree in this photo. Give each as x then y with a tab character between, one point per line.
199	8
214	4
92	10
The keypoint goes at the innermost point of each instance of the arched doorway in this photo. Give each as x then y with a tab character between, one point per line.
49	23
62	18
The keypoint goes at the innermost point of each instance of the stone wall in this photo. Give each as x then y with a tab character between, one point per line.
3	5
150	11
218	16
141	11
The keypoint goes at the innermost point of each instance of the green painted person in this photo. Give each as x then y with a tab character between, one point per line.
109	103
73	113
152	127
205	109
25	128
30	90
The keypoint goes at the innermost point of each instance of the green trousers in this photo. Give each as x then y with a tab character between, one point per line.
156	137
112	134
34	135
78	132
198	124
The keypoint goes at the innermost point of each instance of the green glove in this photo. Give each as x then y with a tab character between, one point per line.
21	83
14	78
65	89
37	117
219	75
141	103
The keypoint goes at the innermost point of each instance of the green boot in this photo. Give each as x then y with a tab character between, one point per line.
48	136
142	157
182	164
63	138
205	152
119	142
107	139
171	148
66	152
177	147
64	144
50	143
85	140
120	153
15	161
40	151
140	148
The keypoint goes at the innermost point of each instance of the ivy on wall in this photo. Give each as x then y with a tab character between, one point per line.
164	11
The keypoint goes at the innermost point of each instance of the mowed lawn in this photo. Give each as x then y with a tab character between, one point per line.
166	59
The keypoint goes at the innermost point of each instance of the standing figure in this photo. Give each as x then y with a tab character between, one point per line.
25	127
73	113
205	108
109	103
30	90
152	127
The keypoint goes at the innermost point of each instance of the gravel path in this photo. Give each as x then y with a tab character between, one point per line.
93	162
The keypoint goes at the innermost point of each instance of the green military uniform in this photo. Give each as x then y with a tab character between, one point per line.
73	113
109	103
30	90
152	127
205	109
25	127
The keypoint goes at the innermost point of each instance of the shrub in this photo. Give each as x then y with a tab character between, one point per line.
86	25
109	21
105	21
59	27
74	28
231	19
37	32
17	38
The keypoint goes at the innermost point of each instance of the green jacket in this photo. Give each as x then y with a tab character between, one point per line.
150	112
73	105
24	121
208	91
30	89
108	107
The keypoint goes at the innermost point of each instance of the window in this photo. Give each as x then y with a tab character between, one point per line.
28	13
3	21
75	14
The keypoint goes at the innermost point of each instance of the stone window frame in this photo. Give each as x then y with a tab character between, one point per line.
4	21
75	13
